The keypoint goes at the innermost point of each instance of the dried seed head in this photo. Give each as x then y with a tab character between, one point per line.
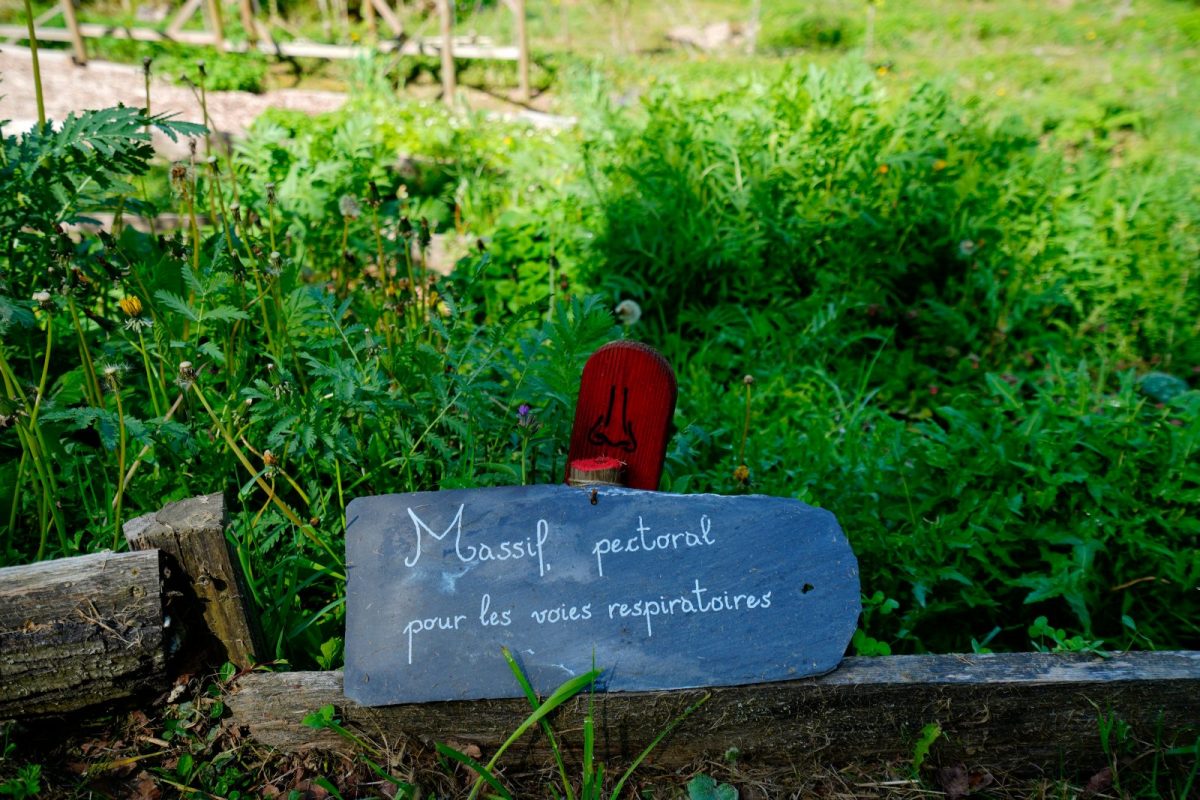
43	300
270	459
748	380
424	237
742	474
110	373
146	62
270	187
187	375
200	65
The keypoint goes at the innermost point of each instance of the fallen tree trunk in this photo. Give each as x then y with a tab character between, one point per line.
80	631
1015	712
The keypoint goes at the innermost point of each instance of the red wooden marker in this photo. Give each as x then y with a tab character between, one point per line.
626	401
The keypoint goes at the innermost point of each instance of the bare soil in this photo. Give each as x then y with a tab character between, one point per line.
68	87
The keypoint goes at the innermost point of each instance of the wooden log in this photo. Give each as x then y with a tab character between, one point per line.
80	631
1017	712
192	533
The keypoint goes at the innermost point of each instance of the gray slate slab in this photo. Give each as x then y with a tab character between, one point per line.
663	591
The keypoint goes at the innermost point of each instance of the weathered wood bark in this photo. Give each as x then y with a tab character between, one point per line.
192	533
80	631
1015	712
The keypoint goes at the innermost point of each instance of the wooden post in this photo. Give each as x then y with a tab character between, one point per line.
601	471
389	16
68	9
449	83
518	8
185	13
80	631
626	402
248	22
218	26
192	532
367	9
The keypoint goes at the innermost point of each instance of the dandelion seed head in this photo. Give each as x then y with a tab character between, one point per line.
628	312
349	207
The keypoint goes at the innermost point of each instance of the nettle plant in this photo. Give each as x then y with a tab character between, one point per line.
140	368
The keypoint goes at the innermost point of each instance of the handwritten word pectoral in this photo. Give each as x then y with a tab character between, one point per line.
647	544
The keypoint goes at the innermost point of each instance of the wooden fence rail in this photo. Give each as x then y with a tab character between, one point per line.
260	37
79	632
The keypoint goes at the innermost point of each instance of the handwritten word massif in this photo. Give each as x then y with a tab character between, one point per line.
643	541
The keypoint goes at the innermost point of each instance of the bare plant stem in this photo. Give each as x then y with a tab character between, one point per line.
745	429
33	442
121	443
92	385
286	510
16	498
37	69
151	381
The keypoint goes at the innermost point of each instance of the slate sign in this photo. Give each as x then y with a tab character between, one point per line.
663	591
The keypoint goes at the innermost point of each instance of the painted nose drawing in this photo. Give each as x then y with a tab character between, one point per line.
626	402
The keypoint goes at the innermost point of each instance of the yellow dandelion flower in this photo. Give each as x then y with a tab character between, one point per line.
939	165
882	169
131	305
881	70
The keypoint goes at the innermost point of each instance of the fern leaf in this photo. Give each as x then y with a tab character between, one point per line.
176	304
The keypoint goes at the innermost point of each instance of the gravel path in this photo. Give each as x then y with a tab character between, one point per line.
68	87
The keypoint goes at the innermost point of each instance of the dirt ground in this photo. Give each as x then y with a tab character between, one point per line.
68	87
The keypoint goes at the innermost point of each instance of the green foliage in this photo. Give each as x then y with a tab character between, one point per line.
243	72
27	783
782	33
592	785
928	735
703	787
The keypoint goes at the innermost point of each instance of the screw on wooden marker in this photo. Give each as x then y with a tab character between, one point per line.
626	402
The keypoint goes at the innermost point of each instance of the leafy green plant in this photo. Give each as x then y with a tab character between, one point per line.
925	739
703	787
592	782
27	783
